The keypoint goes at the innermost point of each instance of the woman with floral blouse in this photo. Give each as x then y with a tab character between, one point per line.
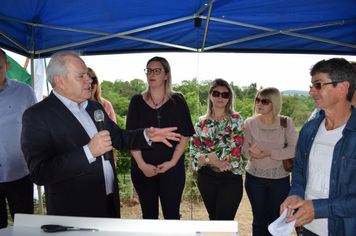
215	150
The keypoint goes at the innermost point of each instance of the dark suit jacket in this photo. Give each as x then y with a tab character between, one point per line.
52	141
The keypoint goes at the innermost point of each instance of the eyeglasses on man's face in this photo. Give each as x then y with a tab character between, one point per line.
224	95
318	85
265	102
155	71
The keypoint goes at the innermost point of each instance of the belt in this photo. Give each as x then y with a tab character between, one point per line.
214	168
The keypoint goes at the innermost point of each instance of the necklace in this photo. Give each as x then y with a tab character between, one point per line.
158	110
156	104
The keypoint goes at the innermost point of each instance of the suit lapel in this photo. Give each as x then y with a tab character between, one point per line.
92	106
66	116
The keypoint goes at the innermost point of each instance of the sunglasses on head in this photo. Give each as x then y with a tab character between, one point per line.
224	95
265	102
318	86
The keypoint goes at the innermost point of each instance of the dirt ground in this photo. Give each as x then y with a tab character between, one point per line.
193	211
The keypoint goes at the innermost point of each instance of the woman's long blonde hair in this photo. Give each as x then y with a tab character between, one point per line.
97	94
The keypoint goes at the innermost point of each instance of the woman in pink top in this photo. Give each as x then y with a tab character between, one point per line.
96	95
267	183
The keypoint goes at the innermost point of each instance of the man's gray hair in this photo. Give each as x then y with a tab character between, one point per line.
57	65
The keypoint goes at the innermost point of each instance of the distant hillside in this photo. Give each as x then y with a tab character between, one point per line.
292	92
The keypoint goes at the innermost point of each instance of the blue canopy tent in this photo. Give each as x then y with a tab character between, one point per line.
42	27
38	28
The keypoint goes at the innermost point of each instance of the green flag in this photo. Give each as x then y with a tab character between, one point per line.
17	72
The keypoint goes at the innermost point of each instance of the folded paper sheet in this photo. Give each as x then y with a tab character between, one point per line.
280	228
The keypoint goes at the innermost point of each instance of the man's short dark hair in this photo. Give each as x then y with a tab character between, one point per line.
338	70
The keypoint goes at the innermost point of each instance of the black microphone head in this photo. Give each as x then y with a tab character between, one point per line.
99	116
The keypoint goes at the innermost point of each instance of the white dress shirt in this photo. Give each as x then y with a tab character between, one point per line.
88	124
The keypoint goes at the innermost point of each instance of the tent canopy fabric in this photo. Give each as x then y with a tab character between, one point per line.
42	27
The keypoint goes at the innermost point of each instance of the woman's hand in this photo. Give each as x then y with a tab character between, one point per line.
258	153
149	170
254	148
222	165
264	153
165	166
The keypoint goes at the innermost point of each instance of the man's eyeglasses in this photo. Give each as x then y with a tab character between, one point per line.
318	86
155	71
265	102
95	80
224	95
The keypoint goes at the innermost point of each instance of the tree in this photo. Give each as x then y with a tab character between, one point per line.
122	106
237	90
289	104
250	91
138	85
127	90
106	87
192	102
244	107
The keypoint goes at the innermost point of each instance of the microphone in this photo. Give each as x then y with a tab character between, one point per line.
100	125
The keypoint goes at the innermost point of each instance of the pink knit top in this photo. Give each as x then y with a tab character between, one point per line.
269	137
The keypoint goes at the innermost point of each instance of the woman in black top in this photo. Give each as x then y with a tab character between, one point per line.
159	173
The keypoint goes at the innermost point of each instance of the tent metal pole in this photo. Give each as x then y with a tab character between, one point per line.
116	35
206	27
282	31
13	41
205	6
32	51
160	43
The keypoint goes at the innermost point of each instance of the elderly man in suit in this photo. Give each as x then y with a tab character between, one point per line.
64	149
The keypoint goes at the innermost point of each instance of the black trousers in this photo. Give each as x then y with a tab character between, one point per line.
167	187
221	193
19	195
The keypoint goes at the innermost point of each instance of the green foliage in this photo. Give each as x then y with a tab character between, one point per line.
124	187
191	191
121	106
244	106
298	107
250	91
138	85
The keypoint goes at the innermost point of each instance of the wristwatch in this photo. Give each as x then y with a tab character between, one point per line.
207	159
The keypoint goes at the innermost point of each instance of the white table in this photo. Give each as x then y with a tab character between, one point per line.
29	225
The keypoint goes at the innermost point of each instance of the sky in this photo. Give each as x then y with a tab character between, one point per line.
283	71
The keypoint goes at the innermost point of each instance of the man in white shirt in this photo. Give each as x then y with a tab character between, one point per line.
323	177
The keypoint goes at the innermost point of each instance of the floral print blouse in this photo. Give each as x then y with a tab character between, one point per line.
224	136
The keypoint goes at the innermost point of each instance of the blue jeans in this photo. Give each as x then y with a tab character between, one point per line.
266	196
